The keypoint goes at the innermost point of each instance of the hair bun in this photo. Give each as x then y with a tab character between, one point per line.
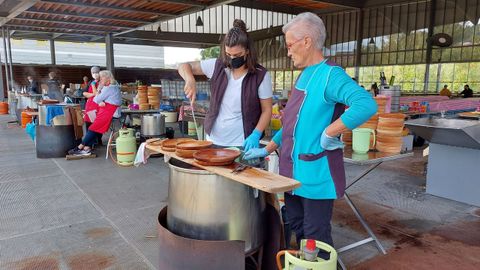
240	24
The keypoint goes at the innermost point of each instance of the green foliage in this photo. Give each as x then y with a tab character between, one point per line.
212	52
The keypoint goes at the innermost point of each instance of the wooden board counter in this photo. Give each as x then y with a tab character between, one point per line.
253	177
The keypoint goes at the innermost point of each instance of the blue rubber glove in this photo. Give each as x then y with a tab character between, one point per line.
255	153
252	141
330	143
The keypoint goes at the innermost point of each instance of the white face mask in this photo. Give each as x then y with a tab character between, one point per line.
30	81
95	76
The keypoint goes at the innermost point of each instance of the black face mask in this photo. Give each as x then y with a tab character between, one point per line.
237	62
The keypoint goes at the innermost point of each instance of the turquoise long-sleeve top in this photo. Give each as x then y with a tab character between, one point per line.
323	86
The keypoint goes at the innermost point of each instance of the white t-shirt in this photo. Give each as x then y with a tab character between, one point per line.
228	127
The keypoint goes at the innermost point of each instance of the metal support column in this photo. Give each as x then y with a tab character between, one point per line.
2	89
52	52
358	51
12	81
7	76
431	25
109	47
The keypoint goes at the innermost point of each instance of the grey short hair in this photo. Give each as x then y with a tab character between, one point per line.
108	74
308	24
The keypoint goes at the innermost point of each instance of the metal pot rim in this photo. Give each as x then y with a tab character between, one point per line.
185	170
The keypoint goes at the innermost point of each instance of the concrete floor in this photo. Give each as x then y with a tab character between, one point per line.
92	214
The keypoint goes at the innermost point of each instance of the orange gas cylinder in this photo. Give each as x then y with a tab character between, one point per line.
3	108
25	118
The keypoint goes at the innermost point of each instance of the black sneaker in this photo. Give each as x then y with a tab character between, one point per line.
72	151
83	152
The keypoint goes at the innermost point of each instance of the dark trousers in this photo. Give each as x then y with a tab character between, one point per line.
90	138
309	219
99	135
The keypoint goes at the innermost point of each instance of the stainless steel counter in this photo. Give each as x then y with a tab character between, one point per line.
453	157
453	132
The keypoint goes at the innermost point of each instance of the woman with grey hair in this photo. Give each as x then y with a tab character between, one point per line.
108	99
313	120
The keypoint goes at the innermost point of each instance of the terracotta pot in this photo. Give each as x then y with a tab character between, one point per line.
194	145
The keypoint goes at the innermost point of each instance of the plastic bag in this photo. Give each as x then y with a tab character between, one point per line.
30	130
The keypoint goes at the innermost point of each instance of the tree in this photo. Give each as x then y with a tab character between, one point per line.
212	52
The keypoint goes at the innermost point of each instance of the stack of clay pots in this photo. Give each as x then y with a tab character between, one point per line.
154	94
142	97
389	132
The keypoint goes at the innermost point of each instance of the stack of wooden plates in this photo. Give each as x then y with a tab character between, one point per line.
170	145
142	97
391	124
389	144
389	132
381	102
154	94
186	149
347	137
371	123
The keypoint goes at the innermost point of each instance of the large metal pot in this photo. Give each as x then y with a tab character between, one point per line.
207	206
153	125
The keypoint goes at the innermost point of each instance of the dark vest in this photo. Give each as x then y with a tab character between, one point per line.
251	108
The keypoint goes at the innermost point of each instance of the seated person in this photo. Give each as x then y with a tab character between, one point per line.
445	91
108	100
467	92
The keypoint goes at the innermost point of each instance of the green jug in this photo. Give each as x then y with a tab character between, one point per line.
361	139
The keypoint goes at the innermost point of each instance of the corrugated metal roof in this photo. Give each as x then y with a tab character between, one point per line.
99	17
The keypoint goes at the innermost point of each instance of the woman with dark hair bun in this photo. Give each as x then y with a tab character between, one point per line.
241	93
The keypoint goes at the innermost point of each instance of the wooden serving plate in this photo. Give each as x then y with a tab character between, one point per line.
185	153
213	155
206	163
172	143
194	145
